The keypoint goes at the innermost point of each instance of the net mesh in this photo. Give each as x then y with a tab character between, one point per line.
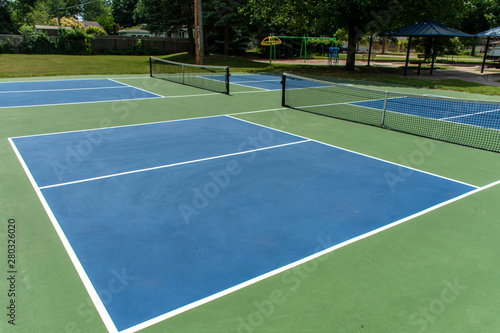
471	123
213	78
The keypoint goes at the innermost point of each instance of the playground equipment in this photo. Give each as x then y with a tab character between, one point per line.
272	41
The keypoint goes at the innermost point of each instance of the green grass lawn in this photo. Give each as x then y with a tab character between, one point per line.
22	65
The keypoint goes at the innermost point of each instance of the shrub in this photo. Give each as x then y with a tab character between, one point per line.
7	47
68	22
135	49
95	31
74	41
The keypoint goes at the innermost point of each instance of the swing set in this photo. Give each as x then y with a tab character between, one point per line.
272	41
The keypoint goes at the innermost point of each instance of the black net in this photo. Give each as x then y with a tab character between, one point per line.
213	78
467	122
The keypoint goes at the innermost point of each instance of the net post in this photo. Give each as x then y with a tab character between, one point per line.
182	74
383	111
150	67
283	87
227	80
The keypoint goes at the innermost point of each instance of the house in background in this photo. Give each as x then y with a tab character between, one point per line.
53	30
143	32
50	30
87	24
135	33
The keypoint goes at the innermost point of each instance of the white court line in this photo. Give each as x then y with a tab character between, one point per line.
68	89
252	92
357	153
45	80
246	86
256	81
73	103
447	119
110	325
470	114
170	165
298	262
128	85
96	300
197	95
348	103
247	112
151	123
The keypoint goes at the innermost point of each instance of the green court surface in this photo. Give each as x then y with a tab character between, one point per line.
437	272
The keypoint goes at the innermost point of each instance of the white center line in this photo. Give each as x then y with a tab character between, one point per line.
171	165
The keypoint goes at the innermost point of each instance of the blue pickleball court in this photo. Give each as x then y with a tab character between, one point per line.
189	209
264	81
479	114
57	92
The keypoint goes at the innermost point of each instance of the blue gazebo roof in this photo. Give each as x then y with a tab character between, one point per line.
495	32
426	28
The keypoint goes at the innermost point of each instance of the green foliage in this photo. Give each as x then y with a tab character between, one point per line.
446	45
95	31
100	11
40	14
123	13
136	49
237	46
6	24
19	10
74	41
7	47
163	16
38	43
107	22
492	13
225	23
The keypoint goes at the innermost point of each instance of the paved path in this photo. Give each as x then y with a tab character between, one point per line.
466	72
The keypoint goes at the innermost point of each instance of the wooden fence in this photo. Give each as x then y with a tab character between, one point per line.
118	44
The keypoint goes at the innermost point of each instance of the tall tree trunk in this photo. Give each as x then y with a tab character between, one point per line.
351	47
191	47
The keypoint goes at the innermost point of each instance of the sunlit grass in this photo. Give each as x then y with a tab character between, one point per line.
20	65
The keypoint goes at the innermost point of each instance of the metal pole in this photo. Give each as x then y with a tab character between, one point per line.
485	53
434	53
305	49
370	50
383	111
283	87
407	56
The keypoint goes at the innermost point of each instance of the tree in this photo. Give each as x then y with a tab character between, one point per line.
20	9
41	13
100	11
359	17
124	13
224	18
492	13
168	15
6	24
294	16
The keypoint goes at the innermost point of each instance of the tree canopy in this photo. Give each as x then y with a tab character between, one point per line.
226	21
